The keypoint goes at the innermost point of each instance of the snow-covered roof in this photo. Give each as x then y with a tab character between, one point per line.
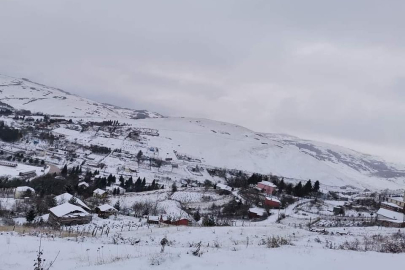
83	184
99	191
154	218
257	211
225	187
67	209
391	204
267	183
399	199
24	189
273	199
391	215
65	197
106	207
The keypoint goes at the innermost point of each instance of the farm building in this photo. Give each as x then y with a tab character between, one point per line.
68	214
21	192
181	222
83	185
266	186
390	218
153	220
99	193
256	213
67	197
106	210
272	202
400	201
8	164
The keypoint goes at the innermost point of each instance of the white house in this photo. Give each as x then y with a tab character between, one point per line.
68	214
20	192
99	193
66	197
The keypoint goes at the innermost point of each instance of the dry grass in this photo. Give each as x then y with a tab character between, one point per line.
42	230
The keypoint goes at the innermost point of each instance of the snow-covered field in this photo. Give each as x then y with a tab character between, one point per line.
221	248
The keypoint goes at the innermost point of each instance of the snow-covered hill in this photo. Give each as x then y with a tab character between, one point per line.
28	95
214	143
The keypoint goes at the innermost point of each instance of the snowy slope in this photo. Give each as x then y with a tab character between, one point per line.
214	143
24	94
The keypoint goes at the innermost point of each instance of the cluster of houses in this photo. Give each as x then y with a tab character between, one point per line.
392	212
267	188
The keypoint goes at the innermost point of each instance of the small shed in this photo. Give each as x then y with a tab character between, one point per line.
153	220
68	214
256	212
106	210
99	193
83	185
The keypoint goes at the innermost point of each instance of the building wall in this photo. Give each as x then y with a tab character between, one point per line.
267	189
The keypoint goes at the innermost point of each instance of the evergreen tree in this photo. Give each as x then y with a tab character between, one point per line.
30	215
281	185
110	179
51	201
122	181
64	170
298	190
117	205
307	188
197	216
174	187
316	187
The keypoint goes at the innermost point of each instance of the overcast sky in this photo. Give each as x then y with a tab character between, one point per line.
326	70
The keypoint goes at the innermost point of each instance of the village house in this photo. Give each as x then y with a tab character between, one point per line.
181	222
105	211
21	192
266	186
67	197
83	185
99	193
153	220
390	218
256	212
272	202
68	214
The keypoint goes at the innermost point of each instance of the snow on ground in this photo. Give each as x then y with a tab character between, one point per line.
221	248
15	171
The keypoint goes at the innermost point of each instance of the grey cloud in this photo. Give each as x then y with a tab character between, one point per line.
328	70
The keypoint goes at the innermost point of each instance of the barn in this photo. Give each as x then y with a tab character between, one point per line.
105	211
181	222
68	214
272	202
255	213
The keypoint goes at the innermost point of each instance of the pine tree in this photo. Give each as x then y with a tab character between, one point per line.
298	190
30	215
117	205
110	179
281	185
307	188
122	180
316	187
64	170
197	216
174	187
